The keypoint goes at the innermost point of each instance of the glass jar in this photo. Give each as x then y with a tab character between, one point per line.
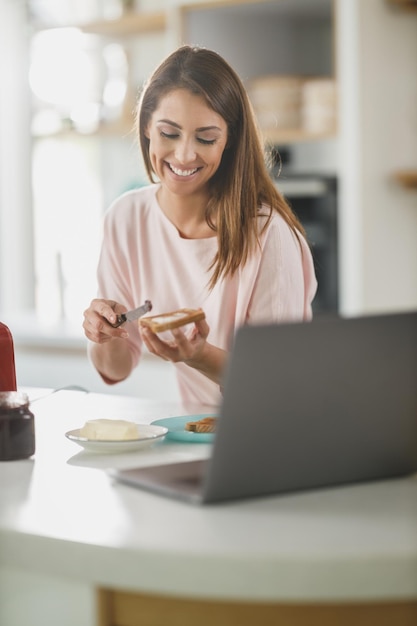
17	426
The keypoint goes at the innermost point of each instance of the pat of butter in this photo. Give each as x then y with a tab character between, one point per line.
165	319
109	430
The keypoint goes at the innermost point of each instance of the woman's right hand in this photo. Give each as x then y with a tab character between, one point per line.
98	320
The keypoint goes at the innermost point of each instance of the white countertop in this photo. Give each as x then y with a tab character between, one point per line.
61	514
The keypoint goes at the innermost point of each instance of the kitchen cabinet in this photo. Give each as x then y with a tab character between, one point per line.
288	38
340	556
287	46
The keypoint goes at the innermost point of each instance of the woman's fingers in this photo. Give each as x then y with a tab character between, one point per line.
98	320
182	347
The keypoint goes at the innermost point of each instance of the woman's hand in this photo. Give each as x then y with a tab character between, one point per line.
98	320
182	347
112	359
191	348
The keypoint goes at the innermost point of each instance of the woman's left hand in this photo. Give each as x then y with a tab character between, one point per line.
187	348
192	349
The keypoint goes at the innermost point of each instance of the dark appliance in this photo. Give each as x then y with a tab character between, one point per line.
313	199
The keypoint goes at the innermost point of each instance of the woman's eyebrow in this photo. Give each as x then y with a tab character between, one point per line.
198	130
163	121
203	128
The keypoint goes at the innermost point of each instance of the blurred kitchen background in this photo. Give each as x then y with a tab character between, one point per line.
334	86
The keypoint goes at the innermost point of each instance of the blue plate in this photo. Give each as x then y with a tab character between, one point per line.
177	432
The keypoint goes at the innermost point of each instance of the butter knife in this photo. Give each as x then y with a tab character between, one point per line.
133	315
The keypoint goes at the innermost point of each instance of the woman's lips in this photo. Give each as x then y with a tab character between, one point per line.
181	172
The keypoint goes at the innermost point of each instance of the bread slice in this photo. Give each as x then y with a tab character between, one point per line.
205	425
174	319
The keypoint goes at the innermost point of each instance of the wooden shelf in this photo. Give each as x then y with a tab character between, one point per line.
126	25
407	178
282	136
121	129
405	5
113	129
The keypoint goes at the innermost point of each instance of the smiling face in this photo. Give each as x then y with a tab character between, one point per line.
186	142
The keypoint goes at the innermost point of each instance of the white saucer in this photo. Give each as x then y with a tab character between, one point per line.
149	435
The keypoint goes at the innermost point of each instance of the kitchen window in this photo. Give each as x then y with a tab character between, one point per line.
56	171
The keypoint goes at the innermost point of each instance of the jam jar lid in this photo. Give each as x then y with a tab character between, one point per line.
13	400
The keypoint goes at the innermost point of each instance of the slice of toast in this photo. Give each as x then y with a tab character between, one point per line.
174	319
205	425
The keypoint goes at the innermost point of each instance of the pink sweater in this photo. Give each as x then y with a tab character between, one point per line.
144	258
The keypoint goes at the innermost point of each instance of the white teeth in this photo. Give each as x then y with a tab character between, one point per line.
182	172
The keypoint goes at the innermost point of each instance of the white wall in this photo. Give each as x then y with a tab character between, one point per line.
377	66
389	63
15	195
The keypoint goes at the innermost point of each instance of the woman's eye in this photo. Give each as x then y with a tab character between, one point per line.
169	135
206	142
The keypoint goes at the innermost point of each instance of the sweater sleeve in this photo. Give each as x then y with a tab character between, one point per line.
114	276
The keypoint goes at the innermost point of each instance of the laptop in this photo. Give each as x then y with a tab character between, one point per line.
306	406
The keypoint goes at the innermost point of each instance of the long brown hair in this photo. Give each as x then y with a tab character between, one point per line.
242	182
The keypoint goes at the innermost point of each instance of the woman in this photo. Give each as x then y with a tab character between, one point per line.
211	231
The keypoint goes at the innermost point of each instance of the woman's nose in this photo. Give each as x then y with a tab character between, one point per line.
185	151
